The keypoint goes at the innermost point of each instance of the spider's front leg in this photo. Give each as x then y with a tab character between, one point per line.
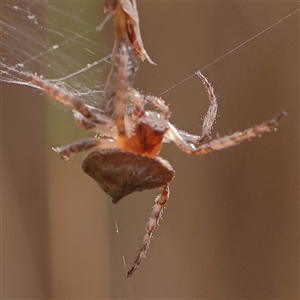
155	216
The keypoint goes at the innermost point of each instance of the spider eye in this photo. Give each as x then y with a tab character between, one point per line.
158	129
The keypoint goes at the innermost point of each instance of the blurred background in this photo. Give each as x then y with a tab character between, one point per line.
231	227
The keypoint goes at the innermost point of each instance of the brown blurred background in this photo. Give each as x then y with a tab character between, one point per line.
231	227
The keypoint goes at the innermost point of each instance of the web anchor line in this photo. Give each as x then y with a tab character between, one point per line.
231	51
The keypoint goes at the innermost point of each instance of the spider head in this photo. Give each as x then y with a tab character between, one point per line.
146	135
151	128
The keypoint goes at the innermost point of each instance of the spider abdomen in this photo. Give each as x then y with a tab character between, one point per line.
120	172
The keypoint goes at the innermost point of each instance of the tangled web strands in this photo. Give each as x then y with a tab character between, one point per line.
62	45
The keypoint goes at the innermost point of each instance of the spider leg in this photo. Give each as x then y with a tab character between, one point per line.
129	68
138	105
122	95
223	142
155	216
88	144
99	123
190	138
159	103
60	96
104	126
180	136
211	114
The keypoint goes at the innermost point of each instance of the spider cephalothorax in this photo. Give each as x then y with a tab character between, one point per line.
123	156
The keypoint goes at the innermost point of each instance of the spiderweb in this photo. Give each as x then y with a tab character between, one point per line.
64	46
35	38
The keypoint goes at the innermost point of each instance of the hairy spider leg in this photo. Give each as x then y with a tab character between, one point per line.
84	145
186	141
209	118
92	120
138	101
83	116
226	141
160	104
104	128
211	114
57	94
62	97
155	216
108	97
122	96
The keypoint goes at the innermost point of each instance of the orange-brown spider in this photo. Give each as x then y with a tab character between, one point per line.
123	157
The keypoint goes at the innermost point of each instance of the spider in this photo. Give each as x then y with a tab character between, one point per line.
123	157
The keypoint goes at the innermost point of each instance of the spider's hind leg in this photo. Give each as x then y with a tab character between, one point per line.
155	216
